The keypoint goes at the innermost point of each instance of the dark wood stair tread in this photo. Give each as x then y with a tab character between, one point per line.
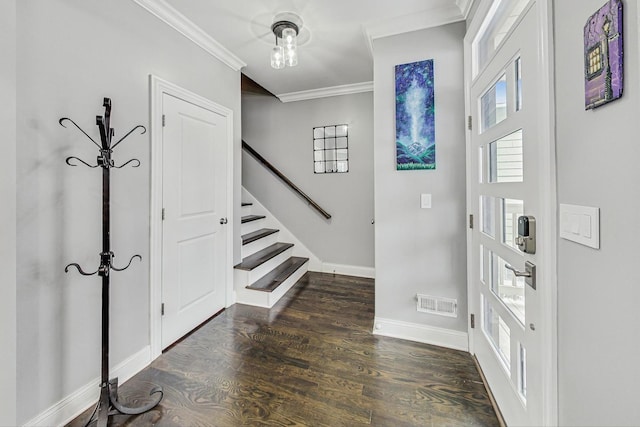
260	257
273	279
250	218
257	235
247	204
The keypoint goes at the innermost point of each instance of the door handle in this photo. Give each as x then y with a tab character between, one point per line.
518	273
529	273
223	221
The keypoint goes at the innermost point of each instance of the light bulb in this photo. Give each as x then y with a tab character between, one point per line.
277	57
289	38
291	57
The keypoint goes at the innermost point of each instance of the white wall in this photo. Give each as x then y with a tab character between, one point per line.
71	54
283	134
8	214
421	250
598	292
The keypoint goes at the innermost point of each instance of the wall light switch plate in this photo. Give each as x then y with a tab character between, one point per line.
425	201
580	224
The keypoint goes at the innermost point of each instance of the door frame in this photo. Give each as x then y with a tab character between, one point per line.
548	326
157	88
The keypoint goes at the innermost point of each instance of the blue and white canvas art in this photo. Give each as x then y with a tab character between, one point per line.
415	116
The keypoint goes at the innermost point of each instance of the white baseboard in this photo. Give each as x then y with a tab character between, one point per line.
348	270
421	333
77	402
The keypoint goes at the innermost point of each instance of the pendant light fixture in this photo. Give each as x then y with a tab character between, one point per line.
286	27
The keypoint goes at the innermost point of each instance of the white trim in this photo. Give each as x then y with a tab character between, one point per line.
549	207
326	92
176	20
349	270
158	87
8	225
448	338
465	7
77	402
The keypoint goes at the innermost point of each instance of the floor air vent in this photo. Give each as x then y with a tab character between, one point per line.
435	305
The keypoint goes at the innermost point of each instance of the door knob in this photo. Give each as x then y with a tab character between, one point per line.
223	221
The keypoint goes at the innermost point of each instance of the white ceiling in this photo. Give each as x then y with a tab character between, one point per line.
334	46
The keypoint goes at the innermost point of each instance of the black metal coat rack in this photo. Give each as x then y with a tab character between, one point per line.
108	403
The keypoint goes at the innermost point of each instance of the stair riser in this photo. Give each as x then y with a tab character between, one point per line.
263	269
253	247
279	292
266	299
249	227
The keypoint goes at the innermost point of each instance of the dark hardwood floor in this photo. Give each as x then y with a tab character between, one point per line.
309	361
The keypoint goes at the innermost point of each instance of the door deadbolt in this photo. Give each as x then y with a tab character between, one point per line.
526	239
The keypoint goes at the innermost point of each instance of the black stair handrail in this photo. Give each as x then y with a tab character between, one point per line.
286	180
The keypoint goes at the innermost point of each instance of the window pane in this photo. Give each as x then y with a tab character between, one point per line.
522	381
343	166
318	167
341	130
331	167
511	210
498	333
509	288
505	159
487	215
518	84
481	158
493	104
341	142
503	17
482	269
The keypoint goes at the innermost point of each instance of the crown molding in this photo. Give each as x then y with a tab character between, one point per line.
326	92
176	20
465	7
417	21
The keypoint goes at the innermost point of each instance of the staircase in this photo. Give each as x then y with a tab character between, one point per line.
268	268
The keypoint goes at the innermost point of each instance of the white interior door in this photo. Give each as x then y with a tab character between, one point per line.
194	197
505	159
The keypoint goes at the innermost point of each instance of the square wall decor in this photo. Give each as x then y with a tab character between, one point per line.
415	116
331	149
603	54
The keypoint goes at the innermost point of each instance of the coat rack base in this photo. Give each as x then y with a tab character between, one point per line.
108	404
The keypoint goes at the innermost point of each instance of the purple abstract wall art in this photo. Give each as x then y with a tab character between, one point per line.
603	54
415	116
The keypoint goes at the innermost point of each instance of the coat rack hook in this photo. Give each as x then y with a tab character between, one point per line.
127	266
68	161
79	128
80	270
144	130
135	162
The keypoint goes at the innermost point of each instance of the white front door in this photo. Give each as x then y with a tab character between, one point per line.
505	174
194	197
